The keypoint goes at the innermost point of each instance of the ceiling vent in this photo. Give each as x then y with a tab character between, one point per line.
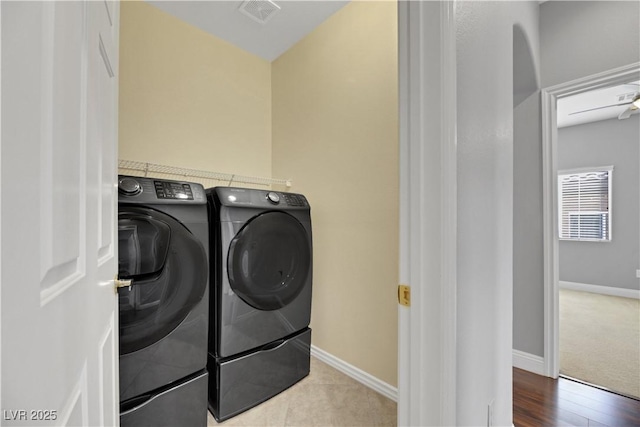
259	10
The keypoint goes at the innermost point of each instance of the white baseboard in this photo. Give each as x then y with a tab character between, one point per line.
528	362
356	373
598	289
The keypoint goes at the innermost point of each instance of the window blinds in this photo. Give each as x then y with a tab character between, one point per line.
585	204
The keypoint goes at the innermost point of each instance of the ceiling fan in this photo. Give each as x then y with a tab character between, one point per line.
634	106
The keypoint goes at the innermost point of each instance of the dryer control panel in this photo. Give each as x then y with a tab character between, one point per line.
152	190
295	199
232	196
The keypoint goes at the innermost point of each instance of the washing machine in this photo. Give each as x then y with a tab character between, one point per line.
261	278
163	243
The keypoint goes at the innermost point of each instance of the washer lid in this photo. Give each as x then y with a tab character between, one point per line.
269	260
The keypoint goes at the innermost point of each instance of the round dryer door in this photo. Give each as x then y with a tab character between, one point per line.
168	266
269	260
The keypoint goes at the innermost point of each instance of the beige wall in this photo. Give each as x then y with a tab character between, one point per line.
189	99
335	131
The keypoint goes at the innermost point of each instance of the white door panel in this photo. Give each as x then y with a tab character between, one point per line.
58	197
62	208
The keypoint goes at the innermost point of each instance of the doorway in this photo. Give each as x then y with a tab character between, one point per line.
551	166
598	134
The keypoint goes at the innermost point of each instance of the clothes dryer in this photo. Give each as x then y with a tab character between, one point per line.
163	248
261	278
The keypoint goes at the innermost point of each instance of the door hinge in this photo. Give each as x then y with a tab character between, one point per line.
404	295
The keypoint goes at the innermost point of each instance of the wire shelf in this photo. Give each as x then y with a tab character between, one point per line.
147	168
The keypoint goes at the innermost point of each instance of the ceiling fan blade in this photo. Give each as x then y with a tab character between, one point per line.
626	114
600	108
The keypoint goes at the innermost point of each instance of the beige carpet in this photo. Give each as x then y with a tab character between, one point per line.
600	340
325	398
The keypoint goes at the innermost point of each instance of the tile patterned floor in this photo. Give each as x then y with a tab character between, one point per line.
326	397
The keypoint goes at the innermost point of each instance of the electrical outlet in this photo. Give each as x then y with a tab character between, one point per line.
638	274
490	414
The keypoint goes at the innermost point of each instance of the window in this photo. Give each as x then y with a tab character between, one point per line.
585	204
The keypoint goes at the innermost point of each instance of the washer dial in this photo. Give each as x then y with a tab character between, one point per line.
129	186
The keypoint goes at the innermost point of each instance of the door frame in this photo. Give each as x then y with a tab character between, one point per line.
428	206
550	95
0	202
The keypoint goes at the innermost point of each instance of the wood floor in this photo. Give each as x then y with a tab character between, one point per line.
540	401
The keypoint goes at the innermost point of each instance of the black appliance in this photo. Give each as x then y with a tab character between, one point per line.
163	248
261	274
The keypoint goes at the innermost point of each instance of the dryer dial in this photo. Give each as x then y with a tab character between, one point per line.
273	197
129	186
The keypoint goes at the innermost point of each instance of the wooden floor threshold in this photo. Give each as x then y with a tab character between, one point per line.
578	380
542	401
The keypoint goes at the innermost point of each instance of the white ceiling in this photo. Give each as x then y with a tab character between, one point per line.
569	108
292	22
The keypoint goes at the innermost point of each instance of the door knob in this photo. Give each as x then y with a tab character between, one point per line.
122	283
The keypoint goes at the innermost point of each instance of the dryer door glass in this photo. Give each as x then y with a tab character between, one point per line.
168	266
269	260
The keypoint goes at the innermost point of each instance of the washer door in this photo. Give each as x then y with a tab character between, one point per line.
269	260
168	266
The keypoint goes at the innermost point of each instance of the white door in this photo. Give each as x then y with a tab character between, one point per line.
58	213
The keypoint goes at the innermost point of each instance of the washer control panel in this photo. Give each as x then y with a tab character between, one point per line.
173	190
136	189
